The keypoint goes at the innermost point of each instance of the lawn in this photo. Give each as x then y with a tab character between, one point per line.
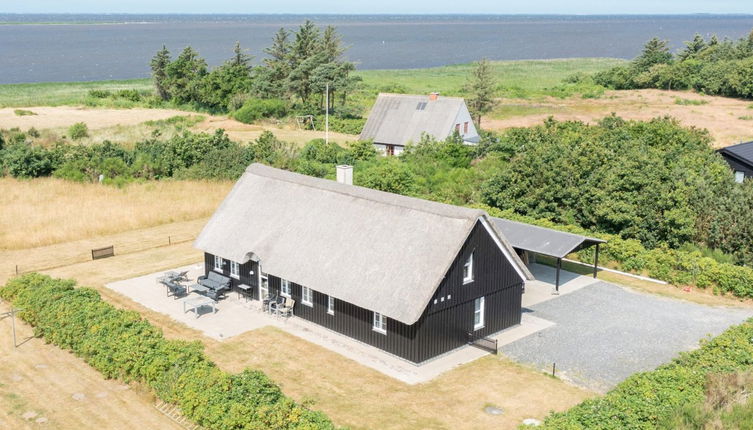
522	78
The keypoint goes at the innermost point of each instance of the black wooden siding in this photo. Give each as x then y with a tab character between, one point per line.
738	165
244	271
443	326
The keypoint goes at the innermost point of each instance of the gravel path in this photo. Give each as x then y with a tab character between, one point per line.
605	333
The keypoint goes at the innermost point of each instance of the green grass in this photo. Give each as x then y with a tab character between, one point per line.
23	112
690	102
520	79
67	93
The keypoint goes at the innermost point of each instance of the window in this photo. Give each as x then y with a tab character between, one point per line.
307	296
218	263
235	270
468	270
465	127
421	106
457	128
380	323
739	177
330	305
285	287
478	313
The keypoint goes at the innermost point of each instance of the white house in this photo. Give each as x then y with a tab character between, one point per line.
399	119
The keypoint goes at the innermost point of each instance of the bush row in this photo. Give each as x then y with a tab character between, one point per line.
677	267
120	344
647	400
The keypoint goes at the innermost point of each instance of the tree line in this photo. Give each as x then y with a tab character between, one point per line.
713	66
298	67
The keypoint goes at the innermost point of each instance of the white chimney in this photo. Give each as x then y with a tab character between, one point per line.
433	96
345	174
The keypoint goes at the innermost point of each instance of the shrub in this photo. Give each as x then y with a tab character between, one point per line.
100	94
78	131
23	112
22	160
645	400
120	344
130	95
254	109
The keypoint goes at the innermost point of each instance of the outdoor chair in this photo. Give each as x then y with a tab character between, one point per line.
286	309
267	302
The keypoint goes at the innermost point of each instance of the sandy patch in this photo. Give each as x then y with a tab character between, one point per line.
95	118
241	132
728	120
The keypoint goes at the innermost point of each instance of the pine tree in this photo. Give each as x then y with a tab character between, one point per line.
656	51
241	58
693	47
184	76
332	44
306	43
480	88
159	72
272	78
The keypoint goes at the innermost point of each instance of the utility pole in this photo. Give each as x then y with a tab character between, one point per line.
326	116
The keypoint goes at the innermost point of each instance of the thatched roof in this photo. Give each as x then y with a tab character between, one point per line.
397	120
380	251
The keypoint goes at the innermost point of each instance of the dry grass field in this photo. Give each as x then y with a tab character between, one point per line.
42	386
728	120
47	211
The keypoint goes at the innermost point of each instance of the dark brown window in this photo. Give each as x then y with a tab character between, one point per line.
390	149
465	127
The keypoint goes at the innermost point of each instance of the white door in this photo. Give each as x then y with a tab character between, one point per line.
263	284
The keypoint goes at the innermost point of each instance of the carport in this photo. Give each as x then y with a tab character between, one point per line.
546	241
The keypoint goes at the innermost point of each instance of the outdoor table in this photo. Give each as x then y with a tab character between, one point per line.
199	288
196	303
245	290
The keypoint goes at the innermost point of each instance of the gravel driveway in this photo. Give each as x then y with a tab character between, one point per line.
605	333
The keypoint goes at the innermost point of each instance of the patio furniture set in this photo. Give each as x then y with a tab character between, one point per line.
278	305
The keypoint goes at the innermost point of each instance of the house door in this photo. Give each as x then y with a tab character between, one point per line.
390	149
263	284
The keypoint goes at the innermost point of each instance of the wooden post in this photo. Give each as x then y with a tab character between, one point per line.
554	368
16	269
557	281
596	261
170	241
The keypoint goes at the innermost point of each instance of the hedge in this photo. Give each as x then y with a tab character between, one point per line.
645	400
670	265
120	344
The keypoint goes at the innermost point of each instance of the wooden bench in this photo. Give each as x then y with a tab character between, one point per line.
103	252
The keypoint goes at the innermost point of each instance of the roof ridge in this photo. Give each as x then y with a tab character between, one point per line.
441	97
332	186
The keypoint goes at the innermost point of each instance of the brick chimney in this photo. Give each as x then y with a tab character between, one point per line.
433	97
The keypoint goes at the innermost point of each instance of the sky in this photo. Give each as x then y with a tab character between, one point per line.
380	6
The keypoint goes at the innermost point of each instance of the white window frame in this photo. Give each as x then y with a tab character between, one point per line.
307	296
330	305
739	176
285	289
468	278
235	269
218	263
379	323
481	312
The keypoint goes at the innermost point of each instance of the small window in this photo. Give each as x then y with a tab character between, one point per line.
330	305
380	323
457	128
421	106
739	177
235	270
307	296
218	263
465	127
478	313
285	287
468	270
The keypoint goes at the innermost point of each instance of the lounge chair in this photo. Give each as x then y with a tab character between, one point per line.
285	309
214	281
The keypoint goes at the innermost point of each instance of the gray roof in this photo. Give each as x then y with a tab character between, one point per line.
741	151
395	119
380	251
541	240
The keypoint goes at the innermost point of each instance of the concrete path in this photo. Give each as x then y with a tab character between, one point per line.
603	333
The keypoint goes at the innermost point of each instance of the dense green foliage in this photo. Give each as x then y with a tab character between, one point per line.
653	181
78	131
120	344
646	400
254	109
299	68
711	66
480	88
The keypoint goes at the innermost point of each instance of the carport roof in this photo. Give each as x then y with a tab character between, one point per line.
542	240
